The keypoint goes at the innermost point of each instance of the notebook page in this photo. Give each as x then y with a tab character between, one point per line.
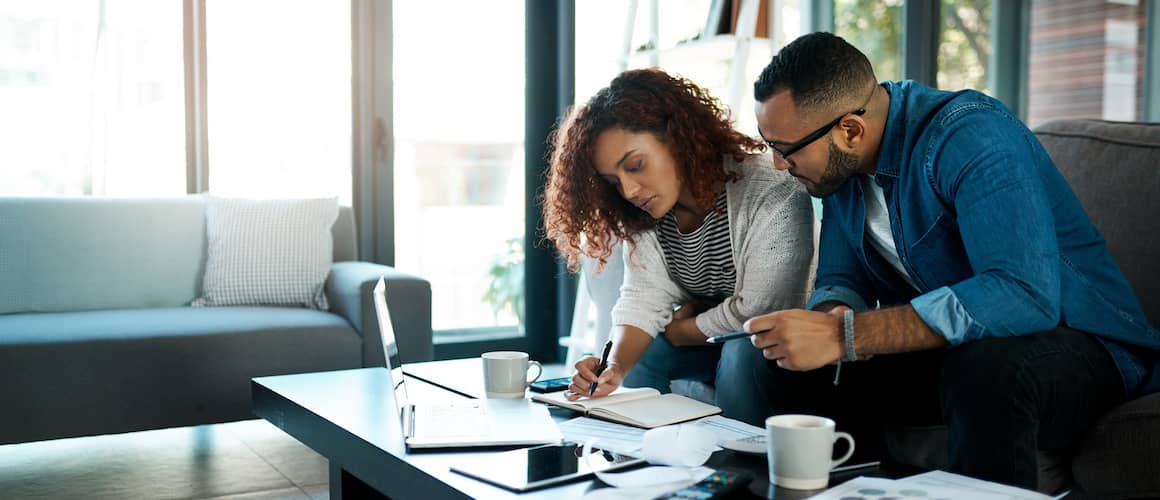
620	395
655	412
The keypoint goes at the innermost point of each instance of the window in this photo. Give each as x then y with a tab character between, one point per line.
92	98
279	104
964	51
875	27
1086	60
680	48
459	149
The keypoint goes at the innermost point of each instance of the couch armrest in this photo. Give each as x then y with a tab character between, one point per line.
349	289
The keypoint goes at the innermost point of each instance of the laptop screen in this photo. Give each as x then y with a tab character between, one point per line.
390	345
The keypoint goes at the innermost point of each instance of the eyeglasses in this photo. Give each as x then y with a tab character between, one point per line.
785	151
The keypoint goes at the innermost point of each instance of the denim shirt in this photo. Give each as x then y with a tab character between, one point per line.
988	230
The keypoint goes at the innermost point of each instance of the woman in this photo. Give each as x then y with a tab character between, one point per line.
711	229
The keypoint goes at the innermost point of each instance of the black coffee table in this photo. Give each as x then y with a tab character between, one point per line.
348	417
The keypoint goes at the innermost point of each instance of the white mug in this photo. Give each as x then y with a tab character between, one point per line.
801	450
505	373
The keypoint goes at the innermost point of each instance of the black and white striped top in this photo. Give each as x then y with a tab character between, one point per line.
701	262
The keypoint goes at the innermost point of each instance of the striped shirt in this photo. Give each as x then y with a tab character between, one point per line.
701	261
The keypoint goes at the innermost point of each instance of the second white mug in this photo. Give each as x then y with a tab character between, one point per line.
800	449
505	373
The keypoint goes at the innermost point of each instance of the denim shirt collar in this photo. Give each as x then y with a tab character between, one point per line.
890	154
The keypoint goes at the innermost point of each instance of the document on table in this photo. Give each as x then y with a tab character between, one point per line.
611	436
935	484
727	429
627	439
941	479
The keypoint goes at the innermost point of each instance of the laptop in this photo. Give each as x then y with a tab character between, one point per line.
472	423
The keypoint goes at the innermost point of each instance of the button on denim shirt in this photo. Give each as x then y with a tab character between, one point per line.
988	230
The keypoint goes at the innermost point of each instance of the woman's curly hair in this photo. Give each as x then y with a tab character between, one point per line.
583	214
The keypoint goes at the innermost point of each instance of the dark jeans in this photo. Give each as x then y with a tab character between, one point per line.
1002	399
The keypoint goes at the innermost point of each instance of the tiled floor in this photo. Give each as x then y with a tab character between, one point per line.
241	460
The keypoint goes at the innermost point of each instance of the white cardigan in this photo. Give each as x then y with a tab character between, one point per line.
773	238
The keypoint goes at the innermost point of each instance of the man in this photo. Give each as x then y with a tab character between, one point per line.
949	233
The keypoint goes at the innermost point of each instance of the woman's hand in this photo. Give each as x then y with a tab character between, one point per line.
682	330
585	374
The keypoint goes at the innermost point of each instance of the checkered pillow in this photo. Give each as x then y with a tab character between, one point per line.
268	252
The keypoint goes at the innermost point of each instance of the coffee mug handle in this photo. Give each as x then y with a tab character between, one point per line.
847	437
539	370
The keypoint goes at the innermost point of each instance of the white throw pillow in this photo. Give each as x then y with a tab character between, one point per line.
268	252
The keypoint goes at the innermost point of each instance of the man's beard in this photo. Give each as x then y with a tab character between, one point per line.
840	167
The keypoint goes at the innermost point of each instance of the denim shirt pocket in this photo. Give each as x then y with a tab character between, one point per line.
937	257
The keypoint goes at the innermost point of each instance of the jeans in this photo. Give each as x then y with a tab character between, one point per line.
1024	394
736	369
1002	399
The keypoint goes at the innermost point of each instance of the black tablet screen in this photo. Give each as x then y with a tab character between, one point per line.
540	466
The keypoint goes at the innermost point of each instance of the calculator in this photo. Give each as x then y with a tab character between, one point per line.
754	445
715	485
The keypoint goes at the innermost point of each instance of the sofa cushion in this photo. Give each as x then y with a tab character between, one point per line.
1118	457
97	372
268	252
1112	168
76	254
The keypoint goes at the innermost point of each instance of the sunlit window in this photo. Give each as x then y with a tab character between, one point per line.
92	98
964	51
459	157
278	97
681	47
875	27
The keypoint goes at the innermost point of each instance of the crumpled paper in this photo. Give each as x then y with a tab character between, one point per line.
677	452
680	445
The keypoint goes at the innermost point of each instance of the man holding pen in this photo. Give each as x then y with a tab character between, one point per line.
952	252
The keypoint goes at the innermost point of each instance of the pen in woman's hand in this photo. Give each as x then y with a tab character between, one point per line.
601	367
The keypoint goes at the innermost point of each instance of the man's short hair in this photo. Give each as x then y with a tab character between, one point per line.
821	71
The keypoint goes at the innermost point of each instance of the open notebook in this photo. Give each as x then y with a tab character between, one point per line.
643	407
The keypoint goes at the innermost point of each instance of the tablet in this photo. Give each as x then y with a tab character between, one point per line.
531	468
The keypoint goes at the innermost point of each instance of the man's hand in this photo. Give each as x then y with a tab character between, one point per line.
798	339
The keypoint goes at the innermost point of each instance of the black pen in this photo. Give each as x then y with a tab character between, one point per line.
601	367
720	339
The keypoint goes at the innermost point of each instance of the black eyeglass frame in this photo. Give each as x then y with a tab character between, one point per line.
809	139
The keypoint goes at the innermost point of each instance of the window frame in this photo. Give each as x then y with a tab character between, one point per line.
550	290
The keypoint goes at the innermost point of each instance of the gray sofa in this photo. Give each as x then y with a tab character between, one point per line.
96	338
1112	167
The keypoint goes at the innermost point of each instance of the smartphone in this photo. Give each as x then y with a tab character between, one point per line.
551	385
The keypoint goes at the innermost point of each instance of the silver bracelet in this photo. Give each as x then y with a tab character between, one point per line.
848	330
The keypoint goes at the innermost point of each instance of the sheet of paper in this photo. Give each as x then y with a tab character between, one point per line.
627	439
727	429
618	438
874	488
957	482
936	485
